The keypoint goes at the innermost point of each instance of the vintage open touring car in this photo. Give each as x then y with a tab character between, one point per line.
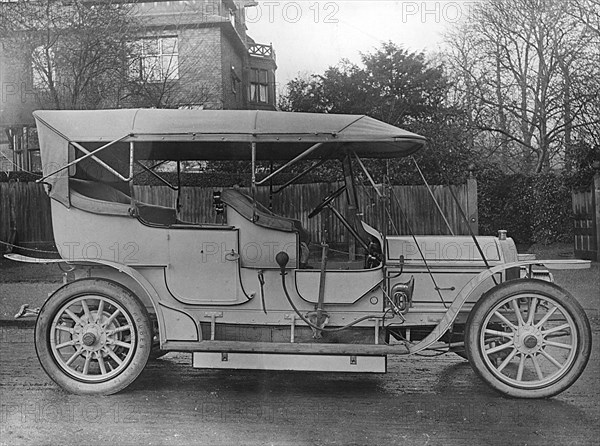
242	293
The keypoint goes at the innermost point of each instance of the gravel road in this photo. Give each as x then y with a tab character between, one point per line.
420	401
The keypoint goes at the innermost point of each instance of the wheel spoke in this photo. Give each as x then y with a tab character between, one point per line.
101	363
515	306
507	360
537	367
65	328
111	318
506	321
66	344
113	356
551	359
532	309
559	345
74	317
119	343
555	329
546	317
100	310
118	330
557	334
86	310
86	366
499	333
521	367
75	355
499	348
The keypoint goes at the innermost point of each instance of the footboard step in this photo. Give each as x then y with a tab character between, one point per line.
282	361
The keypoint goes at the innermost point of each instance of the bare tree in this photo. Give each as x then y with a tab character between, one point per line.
528	69
588	12
103	54
77	49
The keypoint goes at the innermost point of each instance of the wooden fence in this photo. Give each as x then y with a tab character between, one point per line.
26	208
24	215
409	205
586	213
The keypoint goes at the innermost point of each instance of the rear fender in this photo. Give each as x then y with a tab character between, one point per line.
181	326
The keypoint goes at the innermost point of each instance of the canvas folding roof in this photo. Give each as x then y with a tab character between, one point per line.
218	134
367	136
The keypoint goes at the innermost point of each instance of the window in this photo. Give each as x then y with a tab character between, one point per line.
259	85
156	59
42	67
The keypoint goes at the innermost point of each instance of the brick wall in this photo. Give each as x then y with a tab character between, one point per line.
200	66
233	97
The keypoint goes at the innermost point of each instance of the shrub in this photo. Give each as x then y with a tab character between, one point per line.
532	208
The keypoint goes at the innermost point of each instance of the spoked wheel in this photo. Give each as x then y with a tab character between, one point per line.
528	339
93	336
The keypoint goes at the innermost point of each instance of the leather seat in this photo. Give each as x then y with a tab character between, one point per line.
255	212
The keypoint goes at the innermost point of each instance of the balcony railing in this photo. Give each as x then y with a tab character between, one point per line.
260	50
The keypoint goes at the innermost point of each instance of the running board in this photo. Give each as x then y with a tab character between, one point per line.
282	361
314	348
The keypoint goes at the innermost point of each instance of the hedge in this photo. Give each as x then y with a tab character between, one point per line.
532	208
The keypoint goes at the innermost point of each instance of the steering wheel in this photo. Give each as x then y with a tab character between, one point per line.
328	199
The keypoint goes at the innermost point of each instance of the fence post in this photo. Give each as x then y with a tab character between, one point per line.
472	213
596	216
12	200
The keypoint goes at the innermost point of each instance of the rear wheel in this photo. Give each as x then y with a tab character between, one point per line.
93	336
528	339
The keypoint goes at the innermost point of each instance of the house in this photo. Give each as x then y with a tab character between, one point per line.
192	54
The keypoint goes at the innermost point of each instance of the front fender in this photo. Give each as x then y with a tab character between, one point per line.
472	286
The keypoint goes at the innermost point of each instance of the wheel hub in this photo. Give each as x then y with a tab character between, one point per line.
92	337
528	339
89	339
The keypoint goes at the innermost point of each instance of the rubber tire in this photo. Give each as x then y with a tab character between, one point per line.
128	301
523	286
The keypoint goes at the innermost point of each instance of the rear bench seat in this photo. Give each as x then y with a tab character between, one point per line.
102	198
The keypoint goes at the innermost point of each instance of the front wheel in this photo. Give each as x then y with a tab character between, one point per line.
93	337
528	339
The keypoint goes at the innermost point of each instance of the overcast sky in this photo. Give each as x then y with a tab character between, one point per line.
309	36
